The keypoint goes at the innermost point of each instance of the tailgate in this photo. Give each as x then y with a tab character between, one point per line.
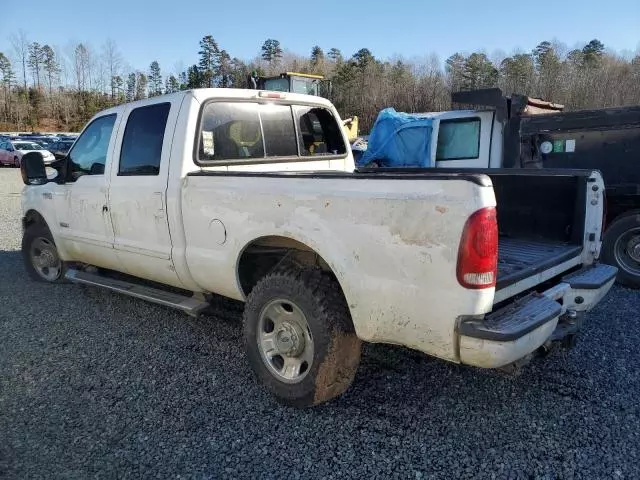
549	222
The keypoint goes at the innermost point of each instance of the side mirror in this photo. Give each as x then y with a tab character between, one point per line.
32	169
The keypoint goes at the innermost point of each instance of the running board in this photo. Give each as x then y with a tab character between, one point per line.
190	305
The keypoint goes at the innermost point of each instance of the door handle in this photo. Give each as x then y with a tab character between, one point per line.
160	212
159	196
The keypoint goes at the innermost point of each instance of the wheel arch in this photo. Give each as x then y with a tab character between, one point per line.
620	216
262	254
31	217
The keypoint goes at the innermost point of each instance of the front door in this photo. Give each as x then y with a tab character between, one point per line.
138	192
81	203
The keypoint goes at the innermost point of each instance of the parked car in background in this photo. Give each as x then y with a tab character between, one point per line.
11	152
60	149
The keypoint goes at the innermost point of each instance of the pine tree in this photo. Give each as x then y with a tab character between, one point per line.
50	65
518	72
454	67
317	59
172	85
548	68
141	86
271	51
479	72
5	70
335	54
363	58
34	61
592	53
131	87
209	64
117	84
155	79
183	80
195	79
7	81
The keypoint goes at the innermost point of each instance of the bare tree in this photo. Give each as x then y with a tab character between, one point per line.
113	61
81	66
21	48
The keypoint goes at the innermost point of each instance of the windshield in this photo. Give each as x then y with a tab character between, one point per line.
308	86
277	84
27	146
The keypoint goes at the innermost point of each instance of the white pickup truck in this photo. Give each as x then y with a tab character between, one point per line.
253	195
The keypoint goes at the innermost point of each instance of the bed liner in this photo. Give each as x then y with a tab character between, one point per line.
521	258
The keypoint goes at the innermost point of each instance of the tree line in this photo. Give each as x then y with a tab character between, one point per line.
45	88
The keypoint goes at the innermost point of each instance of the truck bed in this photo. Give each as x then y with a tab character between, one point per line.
519	258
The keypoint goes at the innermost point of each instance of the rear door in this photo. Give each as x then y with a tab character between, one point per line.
138	191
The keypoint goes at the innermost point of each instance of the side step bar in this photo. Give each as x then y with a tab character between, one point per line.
190	305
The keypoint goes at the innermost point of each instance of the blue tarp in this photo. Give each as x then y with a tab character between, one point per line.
399	139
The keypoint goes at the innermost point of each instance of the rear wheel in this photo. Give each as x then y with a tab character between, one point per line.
40	255
299	338
621	248
16	162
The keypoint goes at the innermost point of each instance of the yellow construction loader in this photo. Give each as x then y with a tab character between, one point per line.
306	83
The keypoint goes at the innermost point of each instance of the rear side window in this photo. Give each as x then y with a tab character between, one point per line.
242	131
458	139
320	134
142	142
230	131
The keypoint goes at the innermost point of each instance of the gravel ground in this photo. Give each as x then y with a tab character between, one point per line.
93	384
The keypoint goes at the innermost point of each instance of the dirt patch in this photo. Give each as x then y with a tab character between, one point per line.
339	367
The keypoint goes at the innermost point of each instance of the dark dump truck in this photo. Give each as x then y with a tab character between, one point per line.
606	139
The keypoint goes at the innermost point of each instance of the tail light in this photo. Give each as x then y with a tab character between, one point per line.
478	253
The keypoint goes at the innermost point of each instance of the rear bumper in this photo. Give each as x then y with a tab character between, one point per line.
514	331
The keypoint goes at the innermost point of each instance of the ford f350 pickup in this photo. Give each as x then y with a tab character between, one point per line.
253	195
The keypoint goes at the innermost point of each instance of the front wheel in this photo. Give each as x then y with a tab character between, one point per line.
299	337
40	255
621	248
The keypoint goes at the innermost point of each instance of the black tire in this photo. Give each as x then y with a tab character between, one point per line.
336	348
16	162
34	233
615	238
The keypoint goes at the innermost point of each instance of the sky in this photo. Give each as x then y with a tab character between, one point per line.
169	31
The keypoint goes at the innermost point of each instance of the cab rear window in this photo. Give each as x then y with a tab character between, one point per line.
248	132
